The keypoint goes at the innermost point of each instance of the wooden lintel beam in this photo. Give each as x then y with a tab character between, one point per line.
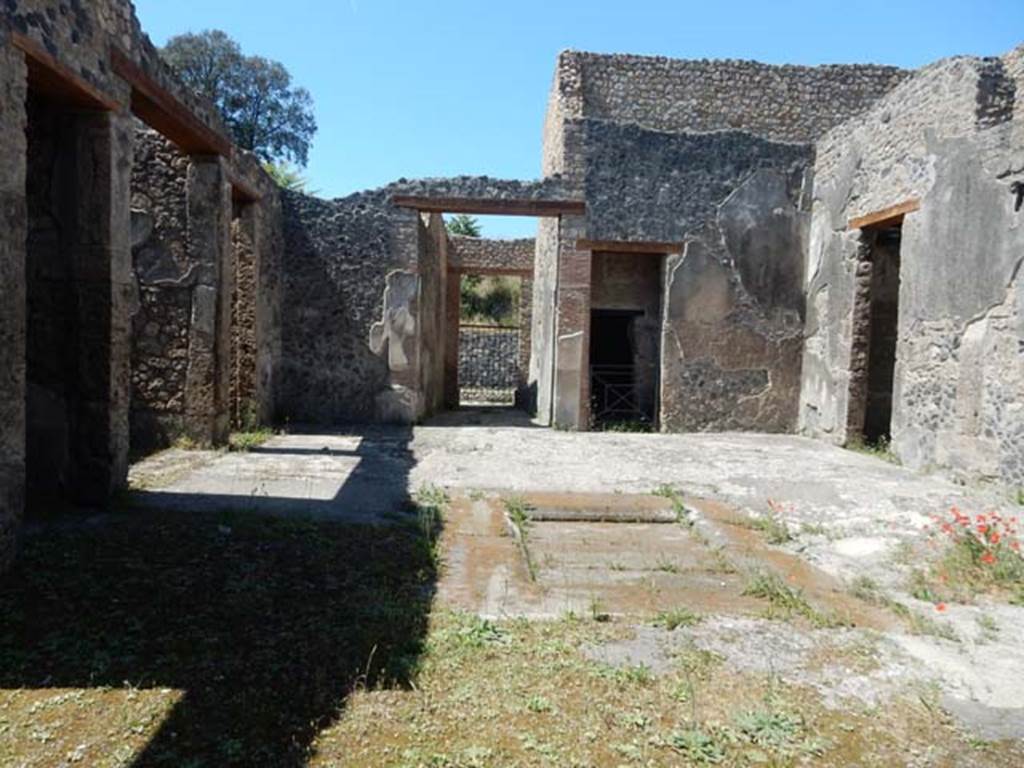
52	77
241	191
626	246
887	216
165	113
485	207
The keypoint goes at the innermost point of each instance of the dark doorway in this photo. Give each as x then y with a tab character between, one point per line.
74	432
614	387
876	335
51	291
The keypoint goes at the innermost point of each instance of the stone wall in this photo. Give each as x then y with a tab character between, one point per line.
783	103
540	381
737	205
489	359
362	283
59	62
166	276
734	314
480	255
433	274
952	137
80	35
13	231
340	258
646	185
657	147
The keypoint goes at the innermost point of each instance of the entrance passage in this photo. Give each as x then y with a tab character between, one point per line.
885	295
491	355
614	383
877	327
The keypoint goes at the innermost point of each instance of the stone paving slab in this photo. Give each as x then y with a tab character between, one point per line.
851	515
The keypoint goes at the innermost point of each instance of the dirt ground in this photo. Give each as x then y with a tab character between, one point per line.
766	578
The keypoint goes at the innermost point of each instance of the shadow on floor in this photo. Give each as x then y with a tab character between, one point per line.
483	416
266	624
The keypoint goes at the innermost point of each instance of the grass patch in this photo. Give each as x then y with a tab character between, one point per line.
675	618
699	746
669	492
772	526
786	602
202	639
882	449
866	589
246	441
624	426
518	512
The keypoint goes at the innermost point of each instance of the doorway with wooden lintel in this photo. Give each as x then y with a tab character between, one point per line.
875	326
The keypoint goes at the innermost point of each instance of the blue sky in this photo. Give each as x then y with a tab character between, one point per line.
417	88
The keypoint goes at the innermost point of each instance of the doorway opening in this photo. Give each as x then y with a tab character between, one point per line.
619	395
70	304
625	334
51	334
491	370
875	338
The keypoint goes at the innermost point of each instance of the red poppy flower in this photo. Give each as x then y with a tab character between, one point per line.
988	558
940	607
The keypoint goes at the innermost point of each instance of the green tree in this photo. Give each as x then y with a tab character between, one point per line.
463	224
265	112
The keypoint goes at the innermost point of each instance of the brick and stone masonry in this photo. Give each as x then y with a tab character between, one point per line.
72	304
950	139
168	288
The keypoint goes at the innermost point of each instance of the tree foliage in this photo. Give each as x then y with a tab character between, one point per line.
463	224
266	113
288	177
489	300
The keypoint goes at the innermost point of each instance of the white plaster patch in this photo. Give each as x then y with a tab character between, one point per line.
860	546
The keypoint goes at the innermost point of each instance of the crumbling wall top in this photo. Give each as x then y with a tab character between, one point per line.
780	102
87	39
480	254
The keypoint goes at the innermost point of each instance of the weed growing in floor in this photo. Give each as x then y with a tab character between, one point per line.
242	636
538	705
698	746
518	512
669	492
769	727
988	626
624	426
185	443
980	554
772	524
813	529
786	602
243	442
675	618
882	449
666	565
430	503
471	631
866	589
634	674
1020	497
